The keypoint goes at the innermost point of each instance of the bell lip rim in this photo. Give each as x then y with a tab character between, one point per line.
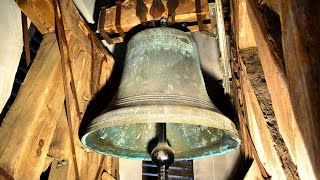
103	121
97	126
175	159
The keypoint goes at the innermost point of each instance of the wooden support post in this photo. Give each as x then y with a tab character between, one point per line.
40	12
28	128
243	32
60	144
300	41
262	124
292	77
275	74
254	172
67	83
31	123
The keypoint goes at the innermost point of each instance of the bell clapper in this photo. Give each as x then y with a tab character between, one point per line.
162	155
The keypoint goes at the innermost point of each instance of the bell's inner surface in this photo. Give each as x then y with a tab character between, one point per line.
136	141
161	83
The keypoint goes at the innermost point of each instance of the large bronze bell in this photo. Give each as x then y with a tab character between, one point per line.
161	83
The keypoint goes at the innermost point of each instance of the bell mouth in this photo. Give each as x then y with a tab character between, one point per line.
131	132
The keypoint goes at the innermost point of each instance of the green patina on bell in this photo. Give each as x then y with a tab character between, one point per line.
161	83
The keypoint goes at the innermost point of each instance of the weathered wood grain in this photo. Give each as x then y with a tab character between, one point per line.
185	12
40	12
253	172
29	126
275	74
261	120
300	41
245	36
257	126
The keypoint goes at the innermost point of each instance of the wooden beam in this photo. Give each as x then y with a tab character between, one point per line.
261	120
300	41
257	122
85	52
270	55
111	166
245	36
40	12
185	12
28	128
60	144
253	172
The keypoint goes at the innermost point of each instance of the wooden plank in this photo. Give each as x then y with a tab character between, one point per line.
23	127
261	137
262	122
107	176
185	12
253	172
274	70
81	48
47	163
245	36
28	128
60	144
224	47
300	41
115	171
40	12
68	83
88	161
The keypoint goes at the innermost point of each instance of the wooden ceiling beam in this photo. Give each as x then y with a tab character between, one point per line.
29	126
185	12
40	12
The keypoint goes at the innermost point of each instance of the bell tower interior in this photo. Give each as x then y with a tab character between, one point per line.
159	89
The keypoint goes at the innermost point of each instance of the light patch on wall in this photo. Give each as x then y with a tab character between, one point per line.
11	47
